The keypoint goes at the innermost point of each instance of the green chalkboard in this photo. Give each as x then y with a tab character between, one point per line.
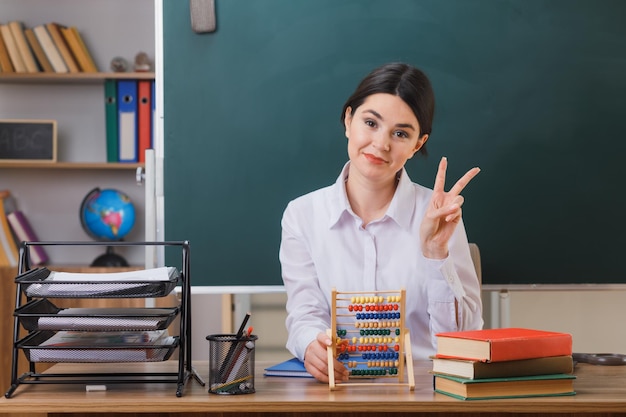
532	91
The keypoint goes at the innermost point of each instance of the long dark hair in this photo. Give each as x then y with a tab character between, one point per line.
404	81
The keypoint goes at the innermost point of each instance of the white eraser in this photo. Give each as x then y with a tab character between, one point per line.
90	388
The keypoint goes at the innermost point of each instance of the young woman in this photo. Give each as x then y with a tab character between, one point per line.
374	229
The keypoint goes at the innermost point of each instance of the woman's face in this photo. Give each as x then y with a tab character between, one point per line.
383	133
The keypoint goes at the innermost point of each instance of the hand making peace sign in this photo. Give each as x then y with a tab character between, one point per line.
443	213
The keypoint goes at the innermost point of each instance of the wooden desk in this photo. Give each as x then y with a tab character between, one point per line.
600	391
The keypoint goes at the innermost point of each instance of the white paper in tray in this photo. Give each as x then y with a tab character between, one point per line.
87	318
92	283
95	323
101	355
145	275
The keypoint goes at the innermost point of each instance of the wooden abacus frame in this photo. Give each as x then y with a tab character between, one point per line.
402	345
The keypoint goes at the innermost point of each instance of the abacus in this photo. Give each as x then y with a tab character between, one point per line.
370	339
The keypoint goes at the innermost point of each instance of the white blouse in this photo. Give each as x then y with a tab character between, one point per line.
324	246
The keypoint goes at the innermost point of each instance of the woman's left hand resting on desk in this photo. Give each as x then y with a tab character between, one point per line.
443	213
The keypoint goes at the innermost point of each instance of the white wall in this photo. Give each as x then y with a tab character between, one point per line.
594	318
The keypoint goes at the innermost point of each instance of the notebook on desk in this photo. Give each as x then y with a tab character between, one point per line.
292	368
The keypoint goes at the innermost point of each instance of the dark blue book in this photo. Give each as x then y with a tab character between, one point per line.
292	367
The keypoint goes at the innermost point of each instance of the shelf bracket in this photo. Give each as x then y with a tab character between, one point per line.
140	176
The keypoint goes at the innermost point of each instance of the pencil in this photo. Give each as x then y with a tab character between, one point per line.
233	347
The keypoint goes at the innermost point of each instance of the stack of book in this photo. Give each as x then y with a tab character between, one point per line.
503	363
15	229
50	47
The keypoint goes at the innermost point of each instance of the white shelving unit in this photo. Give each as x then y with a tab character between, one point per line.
51	194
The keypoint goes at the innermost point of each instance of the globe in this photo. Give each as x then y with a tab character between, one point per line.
107	215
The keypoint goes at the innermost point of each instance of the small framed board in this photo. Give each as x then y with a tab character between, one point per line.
24	140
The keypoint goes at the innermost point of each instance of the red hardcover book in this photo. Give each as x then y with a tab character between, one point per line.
24	233
506	344
144	117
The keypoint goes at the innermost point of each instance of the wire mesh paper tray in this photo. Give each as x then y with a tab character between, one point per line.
41	282
35	350
42	314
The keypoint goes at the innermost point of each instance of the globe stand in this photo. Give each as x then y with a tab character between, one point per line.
109	259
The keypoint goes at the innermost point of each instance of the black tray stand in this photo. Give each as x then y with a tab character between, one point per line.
185	369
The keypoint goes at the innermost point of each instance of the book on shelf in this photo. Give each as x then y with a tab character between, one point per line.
4	261
512	387
81	41
7	243
11	46
127	120
77	48
503	344
153	112
4	257
111	115
17	30
144	118
38	51
24	233
54	29
471	369
291	368
5	60
50	49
